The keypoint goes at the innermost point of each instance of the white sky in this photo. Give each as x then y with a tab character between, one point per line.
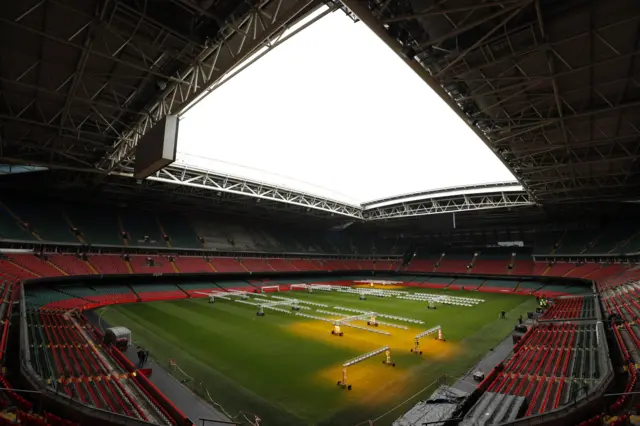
334	112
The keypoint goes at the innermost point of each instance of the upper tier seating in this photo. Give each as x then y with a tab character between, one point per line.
212	233
262	239
142	228
340	243
577	242
97	225
178	228
288	241
24	219
546	242
610	239
48	224
362	244
11	228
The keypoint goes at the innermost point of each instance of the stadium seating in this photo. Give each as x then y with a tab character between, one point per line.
491	267
366	265
281	265
14	270
46	224
11	228
71	264
151	265
77	359
255	265
142	228
571	308
500	286
192	264
97	224
152	292
226	264
529	287
177	227
212	235
547	242
466	284
422	265
37	266
559	269
574	242
454	264
305	265
610	239
24	220
545	369
109	264
387	265
548	364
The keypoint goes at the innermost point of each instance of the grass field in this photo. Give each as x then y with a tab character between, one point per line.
285	368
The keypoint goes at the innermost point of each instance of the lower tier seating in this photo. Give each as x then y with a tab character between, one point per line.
151	292
571	308
549	365
68	357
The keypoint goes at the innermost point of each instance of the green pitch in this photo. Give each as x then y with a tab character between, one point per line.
285	368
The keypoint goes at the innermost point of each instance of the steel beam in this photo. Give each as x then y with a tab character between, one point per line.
187	176
239	40
460	203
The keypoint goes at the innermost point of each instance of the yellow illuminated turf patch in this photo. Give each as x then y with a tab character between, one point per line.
381	287
369	376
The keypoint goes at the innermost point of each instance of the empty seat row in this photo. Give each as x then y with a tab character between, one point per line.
68	358
547	363
570	308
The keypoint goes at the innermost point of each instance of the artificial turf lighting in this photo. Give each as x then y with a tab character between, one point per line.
222	348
